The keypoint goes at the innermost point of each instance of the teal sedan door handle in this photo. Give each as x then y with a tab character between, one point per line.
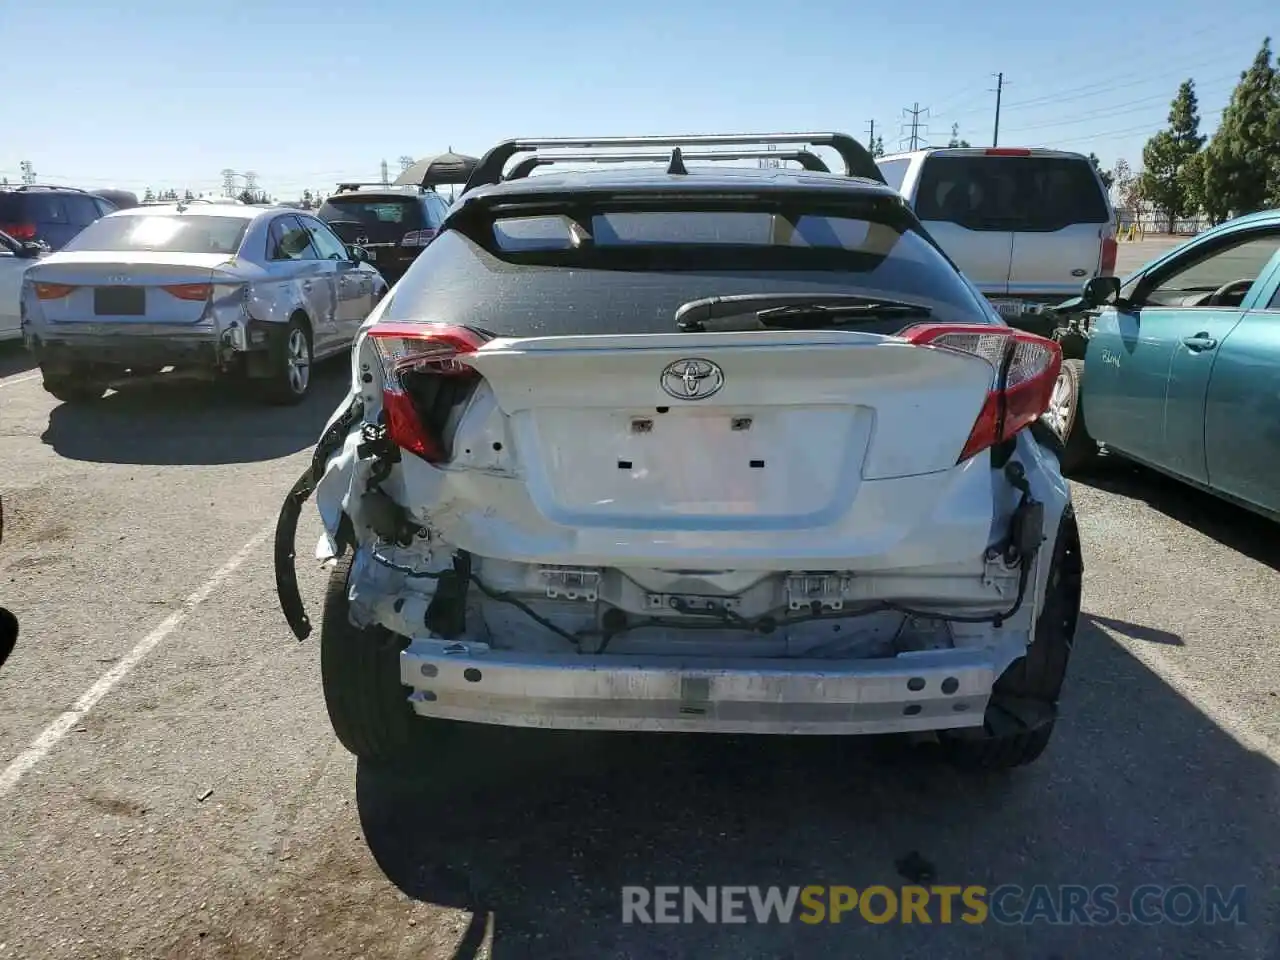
1199	343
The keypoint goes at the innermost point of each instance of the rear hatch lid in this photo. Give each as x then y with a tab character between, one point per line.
1022	223
762	430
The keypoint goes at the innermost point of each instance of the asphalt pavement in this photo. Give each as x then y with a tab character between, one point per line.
170	786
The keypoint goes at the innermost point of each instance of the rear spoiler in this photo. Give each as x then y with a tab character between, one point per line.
806	158
858	161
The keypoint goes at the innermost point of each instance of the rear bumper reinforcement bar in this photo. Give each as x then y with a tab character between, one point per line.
915	692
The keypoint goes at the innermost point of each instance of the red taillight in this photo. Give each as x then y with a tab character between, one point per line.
53	291
189	291
1025	370
418	348
1107	267
20	231
1007	152
417	238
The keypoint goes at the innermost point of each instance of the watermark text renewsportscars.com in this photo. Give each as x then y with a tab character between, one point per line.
1101	905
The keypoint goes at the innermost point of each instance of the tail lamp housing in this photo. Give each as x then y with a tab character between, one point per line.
1025	370
405	349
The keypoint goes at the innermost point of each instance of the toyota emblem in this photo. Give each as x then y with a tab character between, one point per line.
692	379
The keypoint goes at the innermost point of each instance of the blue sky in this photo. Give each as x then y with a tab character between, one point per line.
167	94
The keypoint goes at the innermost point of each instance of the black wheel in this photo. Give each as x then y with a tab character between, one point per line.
360	670
1066	417
1023	707
73	386
290	379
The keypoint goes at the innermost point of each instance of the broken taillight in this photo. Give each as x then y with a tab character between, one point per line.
1026	369
418	359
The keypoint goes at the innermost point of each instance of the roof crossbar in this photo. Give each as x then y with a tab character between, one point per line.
807	159
858	162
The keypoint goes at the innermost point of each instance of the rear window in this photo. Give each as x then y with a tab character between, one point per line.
391	211
628	272
39	208
173	234
1010	193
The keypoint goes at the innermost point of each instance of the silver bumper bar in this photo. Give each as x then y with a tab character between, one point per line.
932	690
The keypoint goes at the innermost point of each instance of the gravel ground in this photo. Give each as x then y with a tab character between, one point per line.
200	806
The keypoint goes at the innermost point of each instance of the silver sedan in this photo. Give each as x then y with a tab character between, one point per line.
208	289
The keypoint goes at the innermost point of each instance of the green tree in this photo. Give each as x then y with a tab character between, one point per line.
307	200
148	196
246	196
1108	178
1165	157
1240	163
876	146
188	195
955	140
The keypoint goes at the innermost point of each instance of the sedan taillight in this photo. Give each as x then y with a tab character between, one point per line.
53	291
189	291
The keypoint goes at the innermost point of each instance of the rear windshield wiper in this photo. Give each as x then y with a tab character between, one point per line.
795	310
825	315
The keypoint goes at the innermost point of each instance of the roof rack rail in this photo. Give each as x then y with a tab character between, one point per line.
48	186
806	158
858	161
350	185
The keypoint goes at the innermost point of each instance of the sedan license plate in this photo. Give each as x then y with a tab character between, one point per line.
119	301
1008	308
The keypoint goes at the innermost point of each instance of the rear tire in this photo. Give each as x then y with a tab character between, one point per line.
74	386
1023	708
360	671
290	379
1066	416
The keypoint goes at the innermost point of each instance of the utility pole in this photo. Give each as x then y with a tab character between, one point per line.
871	134
28	172
914	112
385	179
995	134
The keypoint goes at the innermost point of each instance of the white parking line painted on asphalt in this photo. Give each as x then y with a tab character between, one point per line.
16	380
40	747
1167	669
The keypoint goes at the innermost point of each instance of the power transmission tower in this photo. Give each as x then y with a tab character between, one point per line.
405	163
918	135
385	179
995	134
251	181
228	182
28	172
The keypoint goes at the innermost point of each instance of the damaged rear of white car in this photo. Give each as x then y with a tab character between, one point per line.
729	452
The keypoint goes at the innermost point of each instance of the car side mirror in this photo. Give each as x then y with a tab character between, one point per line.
1100	290
358	253
31	250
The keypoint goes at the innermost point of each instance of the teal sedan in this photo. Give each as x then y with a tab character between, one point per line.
1177	366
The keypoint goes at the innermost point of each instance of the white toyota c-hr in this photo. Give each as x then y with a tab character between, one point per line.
694	448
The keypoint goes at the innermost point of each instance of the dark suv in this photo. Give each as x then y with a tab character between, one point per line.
392	223
49	215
